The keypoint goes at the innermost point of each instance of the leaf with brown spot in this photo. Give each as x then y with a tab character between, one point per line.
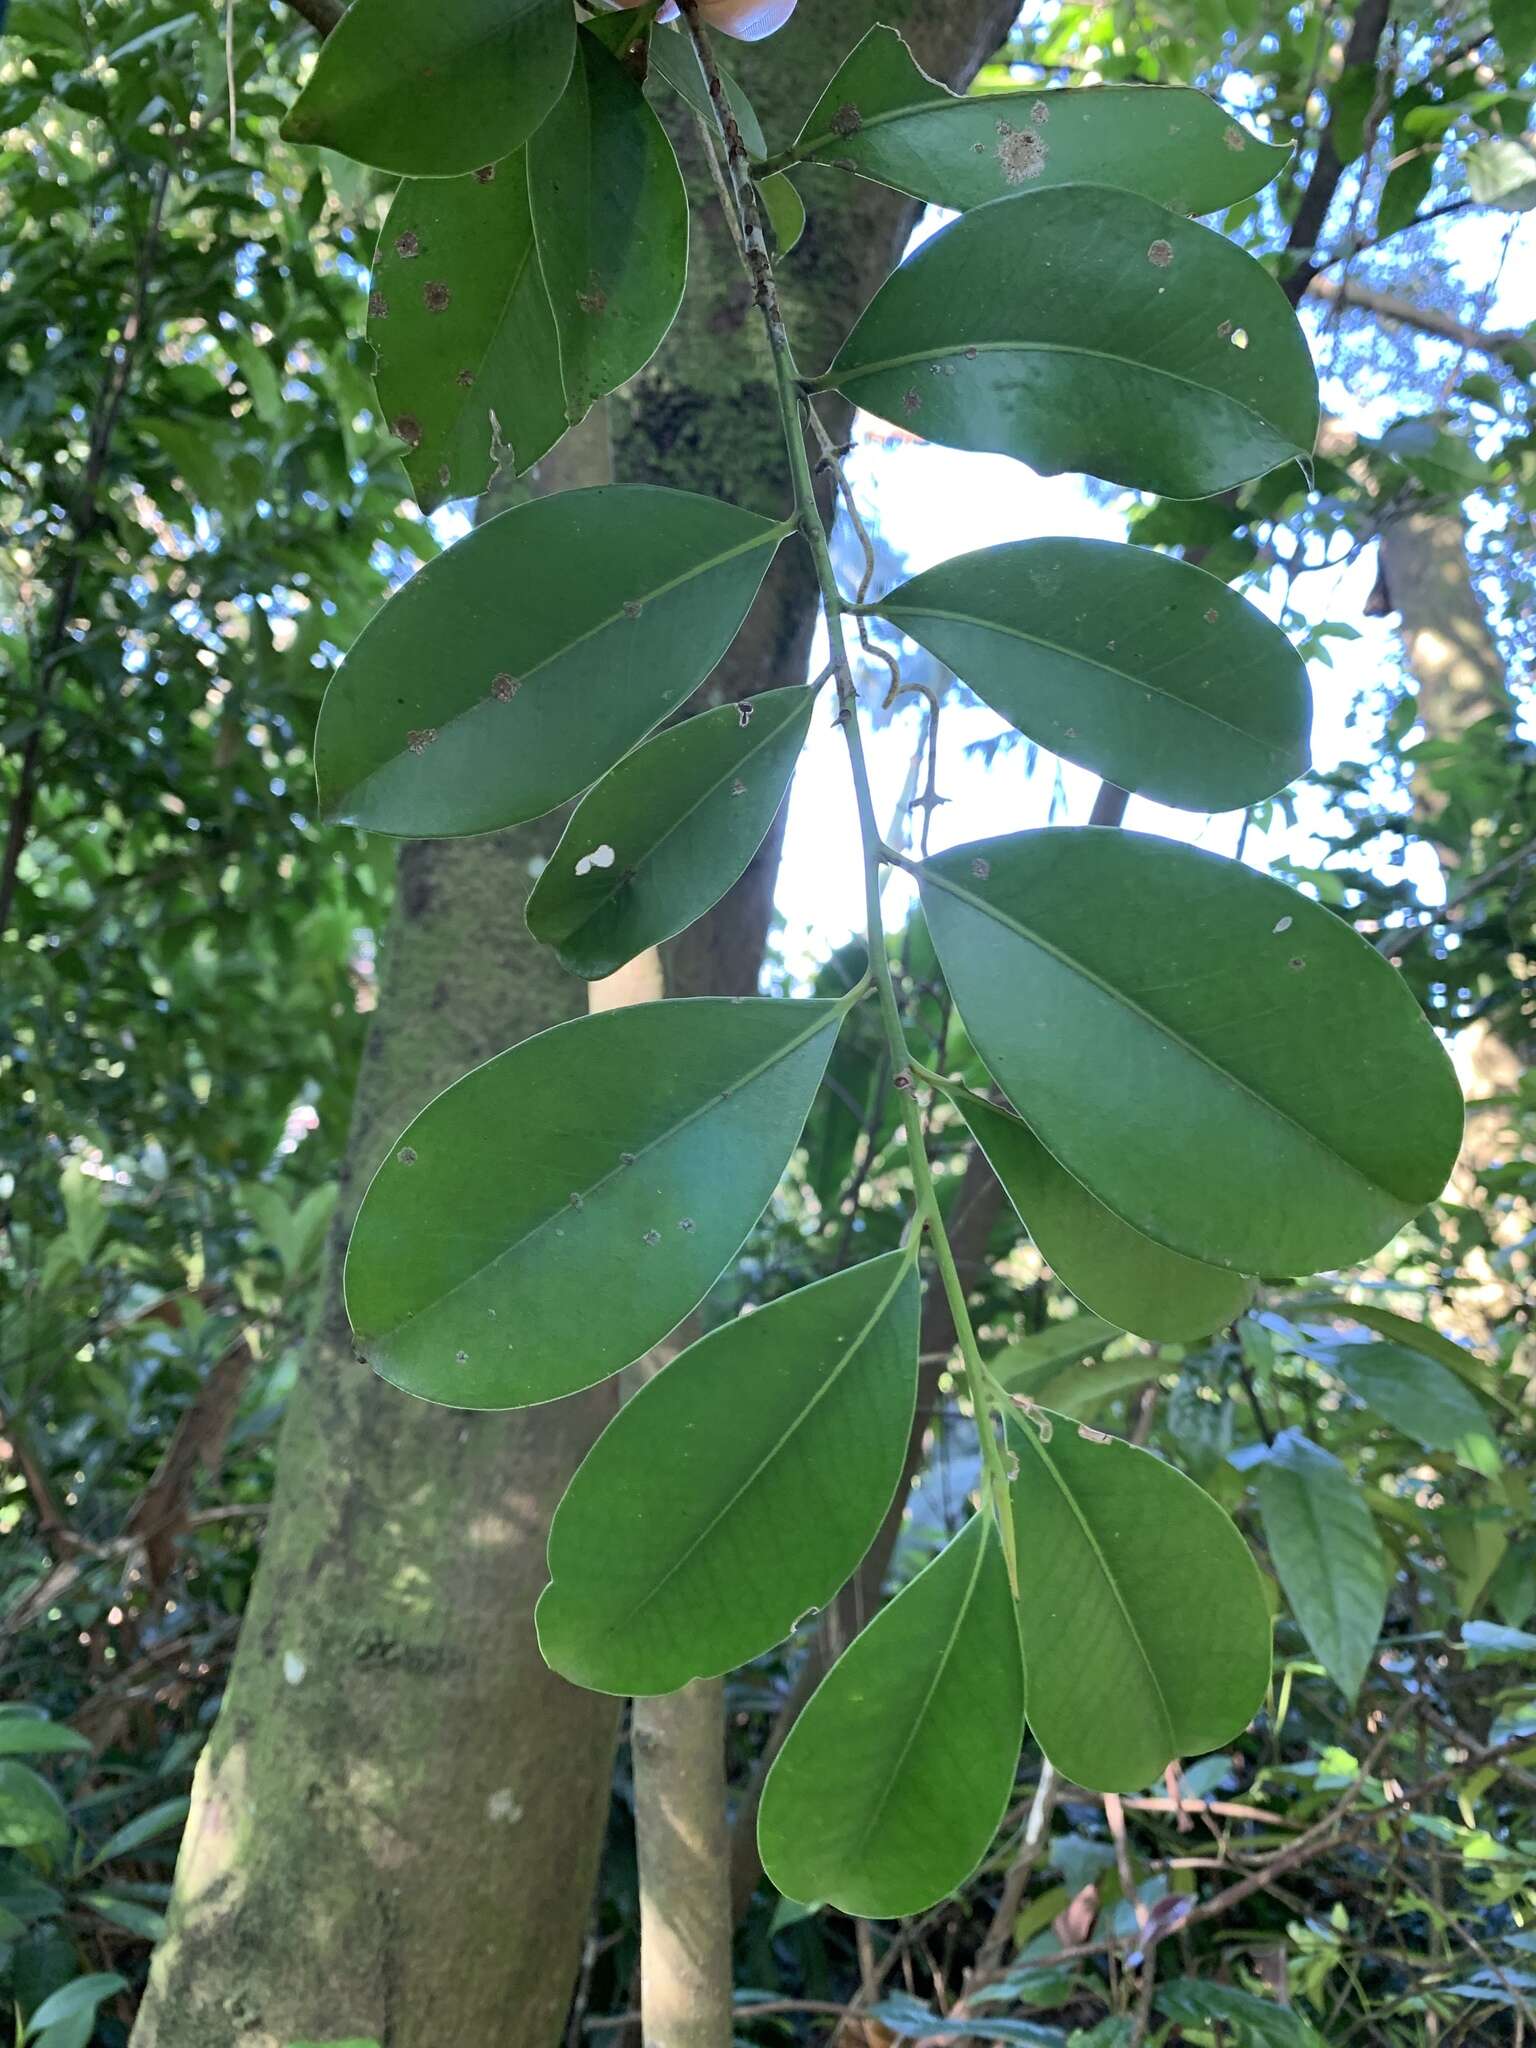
885	119
463	338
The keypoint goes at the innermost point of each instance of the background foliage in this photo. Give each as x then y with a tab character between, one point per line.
199	513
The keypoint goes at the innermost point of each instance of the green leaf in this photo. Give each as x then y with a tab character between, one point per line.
610	216
739	1488
1249	2022
430	92
1142	1614
516	667
1145	669
668	831
31	1812
1222	1062
885	118
1087	329
83	1995
1422	1399
673	59
148	1826
1501	171
462	332
1033	1362
1421	1337
554	1214
1326	1552
22	1735
891	1784
141	1920
785	210
1110	1267
1515	27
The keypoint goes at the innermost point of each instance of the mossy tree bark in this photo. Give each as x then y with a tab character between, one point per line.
397	1821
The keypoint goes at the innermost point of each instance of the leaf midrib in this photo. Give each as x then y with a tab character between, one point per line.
842	374
712	1102
850	1352
1086	1529
649	853
770	536
1162	1029
941	1665
895	613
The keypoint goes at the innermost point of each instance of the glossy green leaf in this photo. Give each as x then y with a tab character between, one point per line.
80	1997
31	1812
435	91
1222	1062
1422	1399
885	118
1326	1553
468	365
1417	1336
1083	328
1143	668
1111	1268
27	1735
610	215
673	59
737	1490
1142	1614
554	1214
515	668
892	1782
667	832
785	210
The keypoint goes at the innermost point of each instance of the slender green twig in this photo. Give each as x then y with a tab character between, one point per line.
981	1389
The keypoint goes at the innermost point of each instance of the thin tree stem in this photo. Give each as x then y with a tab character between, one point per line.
759	268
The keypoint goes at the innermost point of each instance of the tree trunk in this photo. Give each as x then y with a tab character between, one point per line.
397	1820
1451	654
396	1823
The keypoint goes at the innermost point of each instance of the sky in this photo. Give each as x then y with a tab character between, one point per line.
929	503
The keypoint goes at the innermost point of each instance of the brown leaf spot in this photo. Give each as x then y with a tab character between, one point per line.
444	476
981	868
1160	254
485	174
505	687
1039	113
687	1223
407	428
1296	965
1224	330
1021	153
408	244
911	400
465	379
378	306
435	296
407	1155
743	715
847	120
1211	616
1235	138
651	1237
594	299
418	742
633	607
738	787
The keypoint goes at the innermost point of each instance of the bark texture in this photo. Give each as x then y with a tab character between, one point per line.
396	1823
